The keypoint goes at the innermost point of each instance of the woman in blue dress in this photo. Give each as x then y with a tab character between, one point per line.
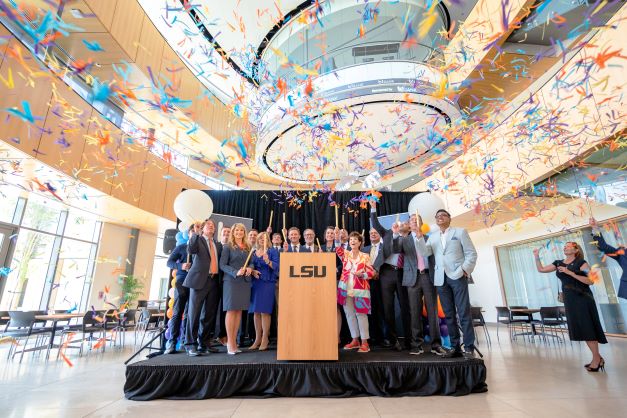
266	273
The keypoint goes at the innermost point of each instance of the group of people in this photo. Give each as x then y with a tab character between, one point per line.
401	261
242	268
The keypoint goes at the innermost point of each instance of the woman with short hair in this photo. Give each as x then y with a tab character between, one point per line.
353	290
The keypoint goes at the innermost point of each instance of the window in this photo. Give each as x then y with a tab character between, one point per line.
524	286
82	226
8	202
29	269
42	214
76	260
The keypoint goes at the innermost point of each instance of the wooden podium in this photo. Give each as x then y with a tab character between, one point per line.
307	307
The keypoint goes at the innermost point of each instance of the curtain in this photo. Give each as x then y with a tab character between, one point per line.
306	209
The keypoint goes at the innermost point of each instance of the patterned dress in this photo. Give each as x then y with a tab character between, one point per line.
352	282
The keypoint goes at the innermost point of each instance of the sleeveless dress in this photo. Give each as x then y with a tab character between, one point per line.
581	311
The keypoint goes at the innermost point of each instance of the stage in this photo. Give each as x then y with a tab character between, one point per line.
381	372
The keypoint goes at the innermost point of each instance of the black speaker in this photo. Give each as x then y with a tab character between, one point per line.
169	240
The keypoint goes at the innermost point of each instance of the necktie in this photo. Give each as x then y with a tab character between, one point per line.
421	261
373	252
213	266
401	261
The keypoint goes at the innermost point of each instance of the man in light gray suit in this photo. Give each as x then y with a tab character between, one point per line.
203	282
455	259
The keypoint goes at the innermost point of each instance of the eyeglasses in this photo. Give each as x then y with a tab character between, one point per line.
441	215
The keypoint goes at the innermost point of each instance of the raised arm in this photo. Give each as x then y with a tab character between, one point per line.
542	269
192	245
374	220
175	259
605	247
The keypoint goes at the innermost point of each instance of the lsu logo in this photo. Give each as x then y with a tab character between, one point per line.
309	271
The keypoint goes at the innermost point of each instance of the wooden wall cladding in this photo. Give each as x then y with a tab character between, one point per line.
36	92
127	26
154	185
67	123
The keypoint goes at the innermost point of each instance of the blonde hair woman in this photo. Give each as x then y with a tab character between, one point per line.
266	263
237	282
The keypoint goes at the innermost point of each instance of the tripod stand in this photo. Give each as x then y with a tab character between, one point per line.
158	334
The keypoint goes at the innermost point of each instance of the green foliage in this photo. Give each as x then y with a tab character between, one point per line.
131	289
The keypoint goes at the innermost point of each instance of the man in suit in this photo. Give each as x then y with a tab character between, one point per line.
203	282
375	251
617	254
455	259
277	242
391	278
418	276
178	261
293	236
226	233
310	240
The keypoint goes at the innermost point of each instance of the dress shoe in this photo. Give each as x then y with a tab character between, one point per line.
469	354
438	350
192	352
453	353
398	346
416	350
386	343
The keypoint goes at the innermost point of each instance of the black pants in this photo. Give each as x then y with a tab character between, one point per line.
181	296
391	285
222	327
376	316
202	311
423	287
456	302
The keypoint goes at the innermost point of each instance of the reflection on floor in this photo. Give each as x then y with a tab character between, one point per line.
524	379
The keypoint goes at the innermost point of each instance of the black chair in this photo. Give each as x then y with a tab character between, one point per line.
125	320
479	321
552	320
22	325
503	316
523	319
94	322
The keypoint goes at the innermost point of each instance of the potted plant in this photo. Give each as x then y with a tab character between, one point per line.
131	289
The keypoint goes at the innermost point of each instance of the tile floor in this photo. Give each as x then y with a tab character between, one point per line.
524	380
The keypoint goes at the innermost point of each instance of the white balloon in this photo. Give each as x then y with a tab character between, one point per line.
183	226
426	204
193	206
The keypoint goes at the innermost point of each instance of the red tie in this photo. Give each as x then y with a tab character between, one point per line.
401	261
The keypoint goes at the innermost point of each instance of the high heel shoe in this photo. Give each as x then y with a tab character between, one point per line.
585	366
596	369
264	347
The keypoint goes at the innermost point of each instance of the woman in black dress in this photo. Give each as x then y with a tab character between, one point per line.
581	311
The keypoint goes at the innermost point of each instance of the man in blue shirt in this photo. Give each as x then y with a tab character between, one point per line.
178	261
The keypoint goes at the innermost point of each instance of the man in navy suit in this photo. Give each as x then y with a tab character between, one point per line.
391	279
617	254
375	250
178	261
293	236
203	282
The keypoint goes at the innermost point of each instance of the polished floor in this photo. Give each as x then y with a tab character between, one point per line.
524	380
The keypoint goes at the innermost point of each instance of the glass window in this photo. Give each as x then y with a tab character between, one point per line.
75	258
524	286
29	268
8	201
42	214
82	226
